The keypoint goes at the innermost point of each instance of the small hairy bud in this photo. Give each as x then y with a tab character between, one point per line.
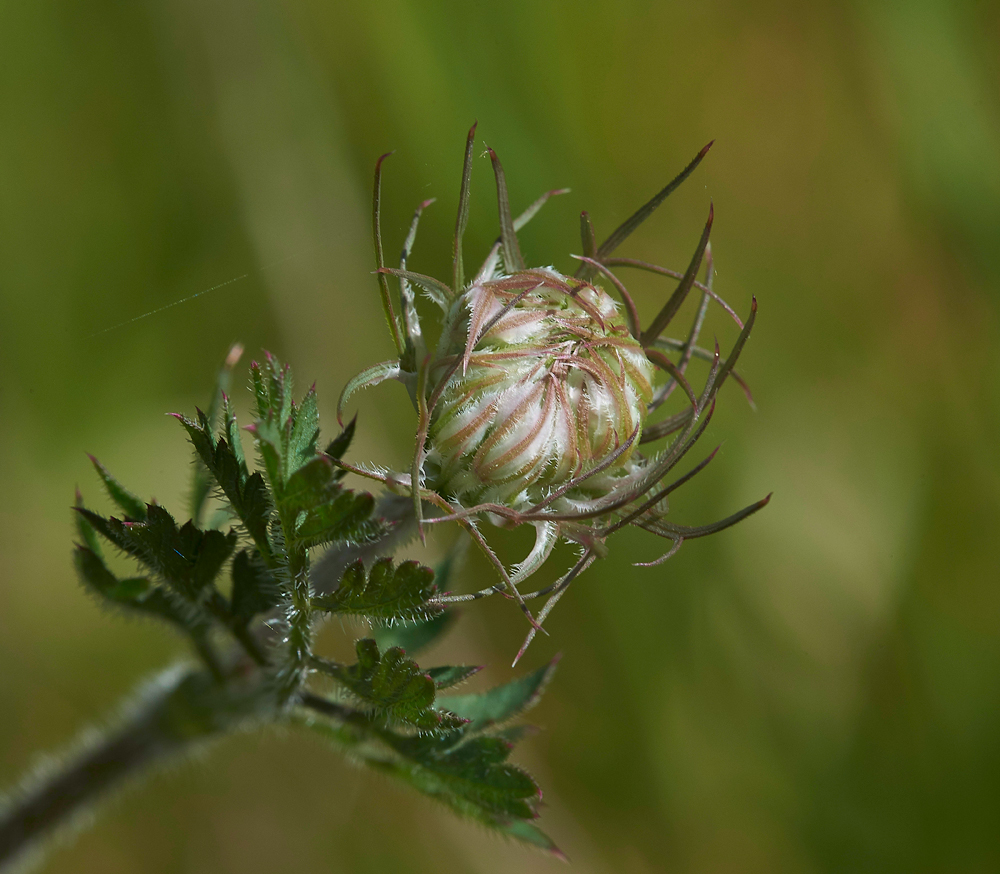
551	382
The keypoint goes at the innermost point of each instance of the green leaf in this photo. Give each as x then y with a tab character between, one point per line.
342	442
187	559
322	510
529	833
385	594
269	439
415	636
346	517
304	432
451	675
473	778
502	703
232	432
255	589
246	493
462	768
86	531
132	506
391	686
309	485
137	593
201	484
273	388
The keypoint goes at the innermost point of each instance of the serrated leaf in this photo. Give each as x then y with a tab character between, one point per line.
136	593
132	506
259	389
96	576
232	431
502	703
346	517
274	388
254	510
469	774
246	493
415	636
188	559
385	594
304	432
269	440
83	527
309	485
473	778
342	442
447	676
391	685
322	510
255	589
201	484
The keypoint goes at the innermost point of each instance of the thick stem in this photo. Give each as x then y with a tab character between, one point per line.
173	713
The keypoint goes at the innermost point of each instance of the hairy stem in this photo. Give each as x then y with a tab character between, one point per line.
299	618
173	713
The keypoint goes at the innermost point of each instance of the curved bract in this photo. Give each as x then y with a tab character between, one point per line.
535	406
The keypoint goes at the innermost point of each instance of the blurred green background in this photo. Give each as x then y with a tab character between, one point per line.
816	690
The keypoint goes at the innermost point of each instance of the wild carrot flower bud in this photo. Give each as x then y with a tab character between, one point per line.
551	382
538	401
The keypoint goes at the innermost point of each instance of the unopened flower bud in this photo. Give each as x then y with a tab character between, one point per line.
551	382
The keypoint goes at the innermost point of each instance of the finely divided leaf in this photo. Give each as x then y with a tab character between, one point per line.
391	685
133	507
137	593
186	558
385	594
245	492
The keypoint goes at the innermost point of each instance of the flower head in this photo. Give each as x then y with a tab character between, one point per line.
535	405
551	383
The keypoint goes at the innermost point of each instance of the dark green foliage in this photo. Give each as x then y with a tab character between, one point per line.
129	503
446	676
473	777
341	443
203	480
502	703
246	493
466	768
137	593
186	558
418	634
86	531
255	589
287	433
314	509
454	749
385	594
322	510
390	686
